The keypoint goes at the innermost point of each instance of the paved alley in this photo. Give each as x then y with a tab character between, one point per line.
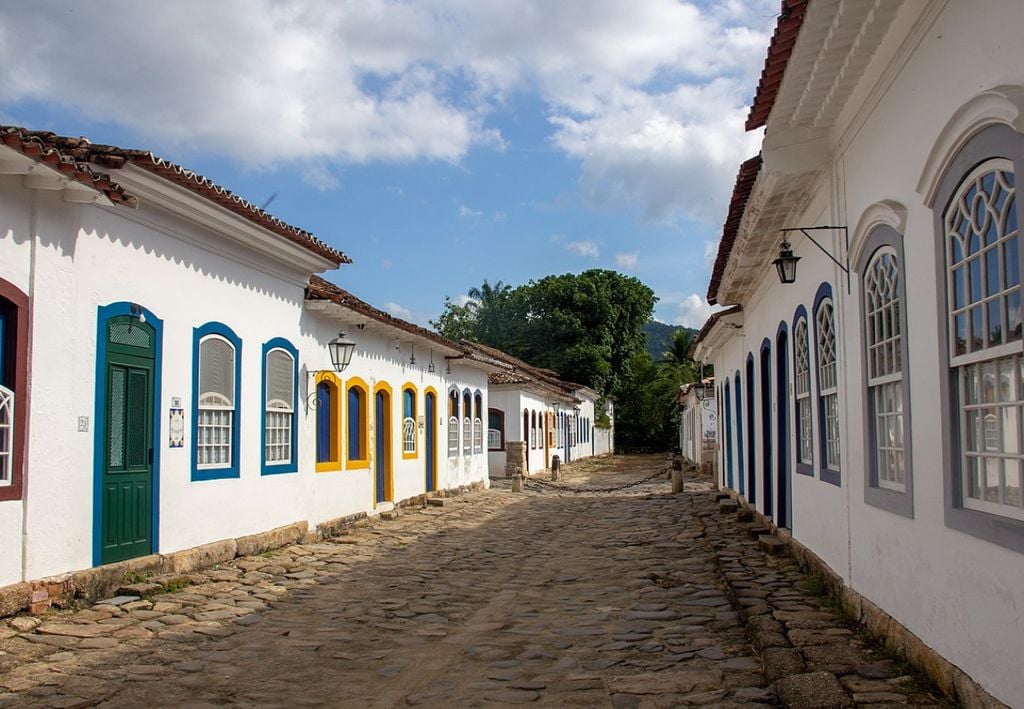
557	598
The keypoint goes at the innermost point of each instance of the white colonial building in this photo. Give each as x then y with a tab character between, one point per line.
875	406
166	378
534	416
698	424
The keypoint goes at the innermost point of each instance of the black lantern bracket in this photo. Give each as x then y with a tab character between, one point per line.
806	231
340	349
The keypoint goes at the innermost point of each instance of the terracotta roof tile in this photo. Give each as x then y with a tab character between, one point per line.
745	179
321	289
787	29
710	323
32	145
113	157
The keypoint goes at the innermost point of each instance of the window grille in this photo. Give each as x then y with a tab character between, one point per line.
216	402
280	407
828	381
883	327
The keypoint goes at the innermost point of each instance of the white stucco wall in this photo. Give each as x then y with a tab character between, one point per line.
959	593
88	257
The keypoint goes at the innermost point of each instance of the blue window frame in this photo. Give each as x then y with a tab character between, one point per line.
826	353
216	401
278	439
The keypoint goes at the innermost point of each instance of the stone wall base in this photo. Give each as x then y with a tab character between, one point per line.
956	684
103	581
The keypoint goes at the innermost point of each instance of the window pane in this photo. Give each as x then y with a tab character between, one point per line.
280	391
217	369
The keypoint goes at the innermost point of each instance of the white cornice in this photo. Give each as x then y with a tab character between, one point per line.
1001	104
884	213
222	224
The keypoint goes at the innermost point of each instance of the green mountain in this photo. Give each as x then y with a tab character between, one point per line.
659	337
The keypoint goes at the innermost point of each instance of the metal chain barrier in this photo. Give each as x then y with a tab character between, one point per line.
569	488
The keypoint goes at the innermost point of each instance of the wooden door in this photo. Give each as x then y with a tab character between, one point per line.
127	484
431	441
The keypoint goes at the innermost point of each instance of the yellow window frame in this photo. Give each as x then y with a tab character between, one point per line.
363	462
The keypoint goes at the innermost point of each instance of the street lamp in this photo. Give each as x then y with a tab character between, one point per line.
341	349
785	264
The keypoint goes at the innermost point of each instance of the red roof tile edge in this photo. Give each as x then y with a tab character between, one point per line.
745	179
524	373
787	29
710	323
322	289
33	146
113	157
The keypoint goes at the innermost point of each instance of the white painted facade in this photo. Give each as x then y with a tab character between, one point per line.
900	96
698	435
187	262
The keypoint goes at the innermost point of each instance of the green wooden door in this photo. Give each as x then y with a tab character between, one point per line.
127	528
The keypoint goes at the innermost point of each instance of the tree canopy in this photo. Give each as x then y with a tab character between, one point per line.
587	326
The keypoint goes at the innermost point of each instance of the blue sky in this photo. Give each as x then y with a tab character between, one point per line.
437	143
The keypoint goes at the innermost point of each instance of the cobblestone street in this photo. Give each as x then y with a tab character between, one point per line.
636	598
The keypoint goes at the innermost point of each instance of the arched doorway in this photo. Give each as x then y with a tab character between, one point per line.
751	440
382	437
127	429
782	474
430	441
766	425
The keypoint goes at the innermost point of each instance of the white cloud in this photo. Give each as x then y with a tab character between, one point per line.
710	254
650	96
500	216
586	247
693	311
463	300
398	311
626	261
465	211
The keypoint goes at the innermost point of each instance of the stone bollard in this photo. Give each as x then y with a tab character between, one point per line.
556	464
677	481
517	480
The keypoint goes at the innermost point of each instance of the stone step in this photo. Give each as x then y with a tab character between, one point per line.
139	589
745	515
772	545
436	502
389	515
727	506
721	496
756	530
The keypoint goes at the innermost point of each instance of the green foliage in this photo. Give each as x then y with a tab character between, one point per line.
646	414
660	337
586	327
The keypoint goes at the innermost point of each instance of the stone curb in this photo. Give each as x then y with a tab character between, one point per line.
102	581
954	683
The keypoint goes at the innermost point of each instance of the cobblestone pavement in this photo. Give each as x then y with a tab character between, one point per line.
631	599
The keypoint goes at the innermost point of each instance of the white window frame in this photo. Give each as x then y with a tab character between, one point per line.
987	373
802	389
7	410
884	357
216	416
828	381
278	417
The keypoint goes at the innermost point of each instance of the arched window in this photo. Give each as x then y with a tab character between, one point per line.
467	423
13	388
453	422
279	381
408	421
802	389
478	423
495	430
357	445
828	384
533	429
889	478
983	281
884	334
328	422
216	372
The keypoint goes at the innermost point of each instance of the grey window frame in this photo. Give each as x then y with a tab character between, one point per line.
993	141
895	501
